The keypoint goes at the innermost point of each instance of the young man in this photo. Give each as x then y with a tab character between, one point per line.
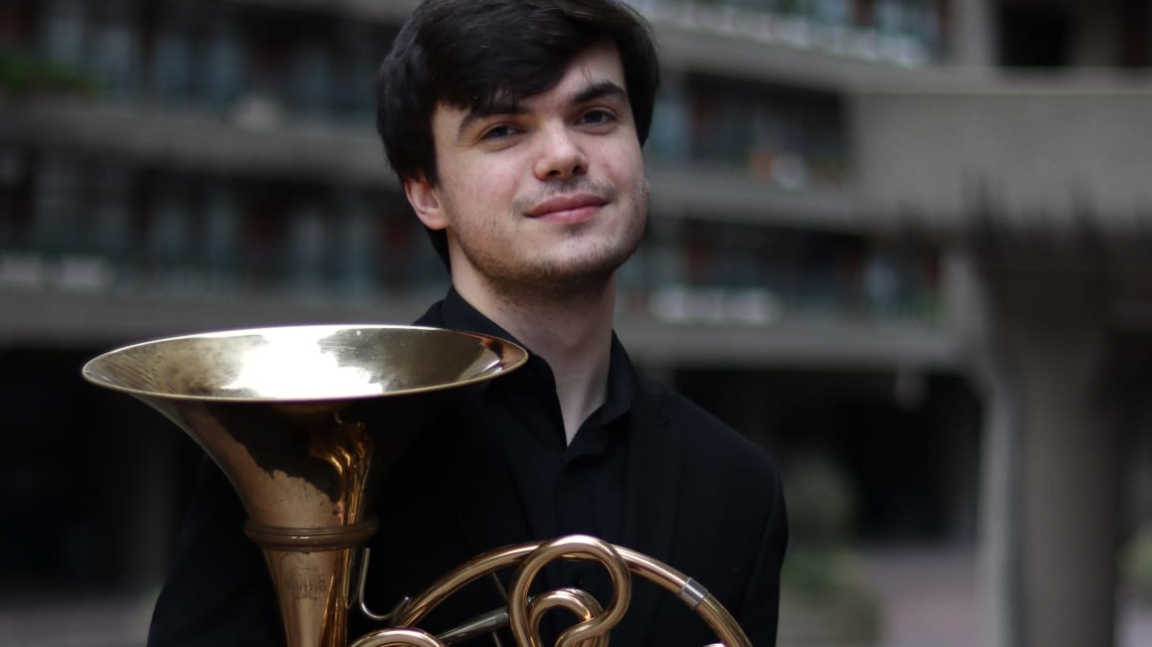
516	128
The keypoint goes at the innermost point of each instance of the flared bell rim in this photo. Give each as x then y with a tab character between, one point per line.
508	357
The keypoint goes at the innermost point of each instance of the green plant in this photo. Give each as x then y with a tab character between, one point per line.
824	599
821	507
1136	562
22	75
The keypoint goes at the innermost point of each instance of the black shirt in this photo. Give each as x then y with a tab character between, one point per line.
577	487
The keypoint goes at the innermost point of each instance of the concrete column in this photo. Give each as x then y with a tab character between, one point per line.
1001	571
973	34
1000	576
1052	346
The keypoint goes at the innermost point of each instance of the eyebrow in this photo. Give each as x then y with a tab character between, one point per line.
595	91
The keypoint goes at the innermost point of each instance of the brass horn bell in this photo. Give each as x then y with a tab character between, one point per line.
303	420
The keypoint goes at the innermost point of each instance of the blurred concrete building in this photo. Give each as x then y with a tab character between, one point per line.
912	235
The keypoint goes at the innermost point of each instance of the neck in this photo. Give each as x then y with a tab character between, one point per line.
574	335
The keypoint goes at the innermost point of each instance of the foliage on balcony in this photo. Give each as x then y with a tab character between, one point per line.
22	75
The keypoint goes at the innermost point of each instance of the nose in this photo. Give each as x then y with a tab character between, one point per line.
561	154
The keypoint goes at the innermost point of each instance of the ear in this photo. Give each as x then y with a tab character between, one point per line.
426	203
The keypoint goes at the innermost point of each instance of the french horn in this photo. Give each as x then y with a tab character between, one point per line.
304	420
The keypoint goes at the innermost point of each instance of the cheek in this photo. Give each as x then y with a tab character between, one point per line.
465	186
485	183
626	167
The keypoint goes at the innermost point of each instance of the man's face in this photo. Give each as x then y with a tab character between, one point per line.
545	194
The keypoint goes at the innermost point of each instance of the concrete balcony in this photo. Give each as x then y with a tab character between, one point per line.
250	140
1054	157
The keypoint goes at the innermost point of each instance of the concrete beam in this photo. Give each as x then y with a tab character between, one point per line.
1054	158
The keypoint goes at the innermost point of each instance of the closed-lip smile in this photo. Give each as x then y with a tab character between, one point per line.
574	207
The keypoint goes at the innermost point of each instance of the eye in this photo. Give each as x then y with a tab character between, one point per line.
597	117
498	132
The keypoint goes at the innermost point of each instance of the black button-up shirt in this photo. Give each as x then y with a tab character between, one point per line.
565	488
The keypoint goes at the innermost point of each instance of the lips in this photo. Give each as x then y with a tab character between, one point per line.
567	205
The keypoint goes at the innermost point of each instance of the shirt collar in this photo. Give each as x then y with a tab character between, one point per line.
458	314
